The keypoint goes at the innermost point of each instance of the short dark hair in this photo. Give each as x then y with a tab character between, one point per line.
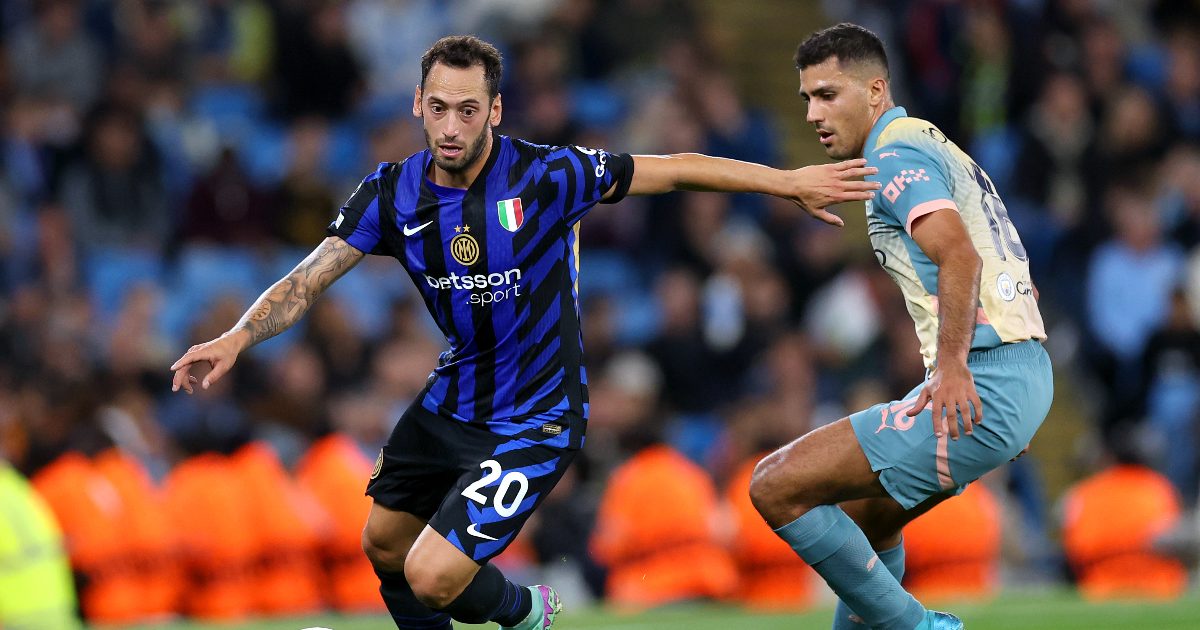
465	51
850	43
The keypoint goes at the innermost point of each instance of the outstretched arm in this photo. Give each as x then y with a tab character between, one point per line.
813	187
274	312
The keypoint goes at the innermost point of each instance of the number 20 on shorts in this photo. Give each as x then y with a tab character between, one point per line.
494	472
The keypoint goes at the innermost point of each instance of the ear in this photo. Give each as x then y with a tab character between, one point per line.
497	111
417	102
877	91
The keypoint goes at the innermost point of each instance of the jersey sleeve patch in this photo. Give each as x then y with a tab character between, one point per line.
591	174
357	221
914	183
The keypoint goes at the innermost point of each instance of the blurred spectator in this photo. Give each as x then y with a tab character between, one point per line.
54	58
689	366
656	24
235	40
1128	295
120	540
332	472
338	344
1183	85
1169	396
1179	194
1111	522
114	191
1131	139
1055	143
389	37
291	413
660	547
304	197
150	42
964	567
315	71
1104	73
988	72
227	207
928	36
36	589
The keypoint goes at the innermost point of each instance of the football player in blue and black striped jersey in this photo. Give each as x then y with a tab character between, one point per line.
487	228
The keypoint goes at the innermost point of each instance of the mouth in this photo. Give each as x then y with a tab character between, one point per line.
826	137
450	151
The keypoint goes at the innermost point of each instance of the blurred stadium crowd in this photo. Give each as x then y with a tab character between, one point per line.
162	162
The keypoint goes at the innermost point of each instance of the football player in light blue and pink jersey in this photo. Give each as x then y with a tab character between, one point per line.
841	495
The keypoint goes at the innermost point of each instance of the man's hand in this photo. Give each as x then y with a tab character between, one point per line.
817	187
220	354
952	390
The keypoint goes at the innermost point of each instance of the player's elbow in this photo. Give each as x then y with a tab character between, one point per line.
962	259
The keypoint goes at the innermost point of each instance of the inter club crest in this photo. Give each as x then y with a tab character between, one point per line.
511	215
463	246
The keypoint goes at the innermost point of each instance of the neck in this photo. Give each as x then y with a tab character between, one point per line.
462	179
877	112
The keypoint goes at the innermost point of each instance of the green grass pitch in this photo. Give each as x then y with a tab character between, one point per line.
1053	611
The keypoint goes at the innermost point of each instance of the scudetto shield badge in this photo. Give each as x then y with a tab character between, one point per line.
512	216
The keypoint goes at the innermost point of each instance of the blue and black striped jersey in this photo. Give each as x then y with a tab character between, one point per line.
497	265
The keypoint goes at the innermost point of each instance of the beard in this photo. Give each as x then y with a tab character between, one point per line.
463	162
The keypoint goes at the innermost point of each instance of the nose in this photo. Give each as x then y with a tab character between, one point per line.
814	114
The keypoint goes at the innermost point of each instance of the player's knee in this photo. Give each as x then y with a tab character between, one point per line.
767	493
433	588
385	555
779	498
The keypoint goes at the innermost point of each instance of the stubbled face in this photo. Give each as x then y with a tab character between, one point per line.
456	115
839	106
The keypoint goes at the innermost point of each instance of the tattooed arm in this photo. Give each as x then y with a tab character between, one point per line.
274	312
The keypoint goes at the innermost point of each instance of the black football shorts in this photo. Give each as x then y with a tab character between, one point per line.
475	483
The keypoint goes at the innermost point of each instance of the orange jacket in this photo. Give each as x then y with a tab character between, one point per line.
772	575
953	550
334	472
212	512
655	532
97	507
149	534
290	524
1110	521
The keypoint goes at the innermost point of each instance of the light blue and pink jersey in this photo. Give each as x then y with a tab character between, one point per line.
922	172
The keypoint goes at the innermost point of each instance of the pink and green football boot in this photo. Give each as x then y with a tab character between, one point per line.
546	605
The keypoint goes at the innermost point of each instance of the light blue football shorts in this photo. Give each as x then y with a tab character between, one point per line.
1015	384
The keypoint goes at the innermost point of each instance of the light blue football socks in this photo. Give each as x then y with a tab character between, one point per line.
837	550
893	559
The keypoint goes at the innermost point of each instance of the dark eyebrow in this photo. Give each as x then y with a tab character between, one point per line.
469	101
